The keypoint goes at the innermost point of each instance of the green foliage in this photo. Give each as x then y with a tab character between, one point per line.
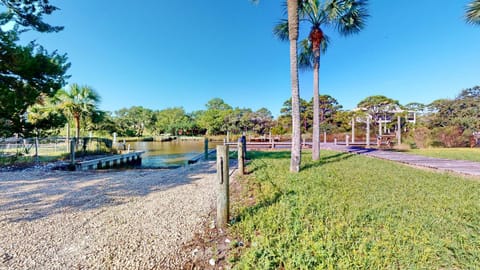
473	12
453	121
45	117
79	102
213	118
173	121
26	72
134	121
329	110
354	212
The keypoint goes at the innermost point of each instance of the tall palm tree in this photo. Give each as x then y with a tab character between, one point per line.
473	12
78	102
346	16
293	24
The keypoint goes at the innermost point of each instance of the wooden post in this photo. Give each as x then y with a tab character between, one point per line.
244	145
36	149
353	129
223	186
324	137
72	151
241	160
67	137
205	142
368	131
399	130
347	140
380	127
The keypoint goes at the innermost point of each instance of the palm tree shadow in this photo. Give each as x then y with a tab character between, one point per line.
250	211
328	159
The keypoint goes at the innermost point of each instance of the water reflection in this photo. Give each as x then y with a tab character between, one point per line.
166	154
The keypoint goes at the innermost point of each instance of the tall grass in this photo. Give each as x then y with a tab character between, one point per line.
355	212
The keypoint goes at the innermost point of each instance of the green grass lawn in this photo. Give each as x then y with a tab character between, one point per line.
472	154
355	212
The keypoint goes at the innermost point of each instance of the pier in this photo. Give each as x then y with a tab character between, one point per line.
132	158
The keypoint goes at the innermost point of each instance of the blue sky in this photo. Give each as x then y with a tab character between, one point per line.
160	54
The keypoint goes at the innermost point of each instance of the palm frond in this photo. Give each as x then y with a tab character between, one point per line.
353	17
305	55
281	30
324	44
473	12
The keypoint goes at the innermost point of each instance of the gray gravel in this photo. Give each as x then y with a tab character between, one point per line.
136	219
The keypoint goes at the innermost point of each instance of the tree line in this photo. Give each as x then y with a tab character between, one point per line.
32	102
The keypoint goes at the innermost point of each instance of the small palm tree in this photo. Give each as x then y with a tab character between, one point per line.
473	12
347	16
78	102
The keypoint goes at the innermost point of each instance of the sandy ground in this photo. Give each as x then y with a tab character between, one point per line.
132	219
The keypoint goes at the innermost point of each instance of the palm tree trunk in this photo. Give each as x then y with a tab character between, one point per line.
77	128
316	107
292	8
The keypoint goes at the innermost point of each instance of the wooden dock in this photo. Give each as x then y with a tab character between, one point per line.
268	145
196	158
132	158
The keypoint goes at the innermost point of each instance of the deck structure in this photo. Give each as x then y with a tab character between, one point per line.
132	158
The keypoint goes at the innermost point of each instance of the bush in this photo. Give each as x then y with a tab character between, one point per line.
450	137
421	137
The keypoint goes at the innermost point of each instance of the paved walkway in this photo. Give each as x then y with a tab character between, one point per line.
457	166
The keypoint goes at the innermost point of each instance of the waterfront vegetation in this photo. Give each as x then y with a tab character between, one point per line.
353	212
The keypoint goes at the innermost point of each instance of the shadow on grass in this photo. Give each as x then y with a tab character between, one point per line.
252	210
328	159
268	154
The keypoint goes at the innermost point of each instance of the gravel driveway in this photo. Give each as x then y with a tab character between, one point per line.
132	219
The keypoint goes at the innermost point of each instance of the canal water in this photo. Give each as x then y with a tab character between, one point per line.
168	154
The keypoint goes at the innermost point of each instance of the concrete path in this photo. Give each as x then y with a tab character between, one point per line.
457	166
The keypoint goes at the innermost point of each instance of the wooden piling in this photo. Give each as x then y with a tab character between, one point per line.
205	142
72	151
223	186
241	160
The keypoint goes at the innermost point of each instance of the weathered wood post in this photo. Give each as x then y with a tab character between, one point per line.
379	127
368	131
205	149
67	137
223	185
324	137
353	129
241	159
72	151
244	145
36	149
399	130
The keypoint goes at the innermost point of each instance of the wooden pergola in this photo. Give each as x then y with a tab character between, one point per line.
388	116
